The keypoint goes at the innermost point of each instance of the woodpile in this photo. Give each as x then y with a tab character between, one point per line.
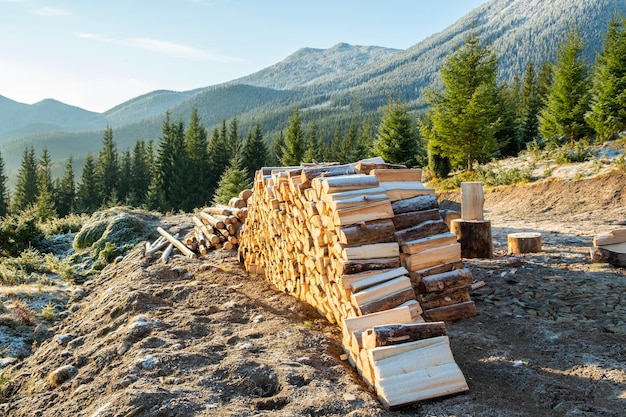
366	245
215	227
610	248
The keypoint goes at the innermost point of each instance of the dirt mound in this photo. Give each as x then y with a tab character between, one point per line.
202	338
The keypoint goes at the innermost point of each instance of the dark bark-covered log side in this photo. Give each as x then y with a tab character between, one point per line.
376	231
355	266
388	302
447	280
422	230
451	312
474	237
446	298
413	218
419	203
393	334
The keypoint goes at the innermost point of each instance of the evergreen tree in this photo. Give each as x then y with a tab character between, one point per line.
65	191
234	141
45	208
123	190
397	137
314	144
234	180
196	148
568	95
4	190
87	197
463	120
170	163
508	133
530	103
276	151
44	170
26	186
140	177
608	103
107	167
333	150
350	146
293	150
254	153
219	156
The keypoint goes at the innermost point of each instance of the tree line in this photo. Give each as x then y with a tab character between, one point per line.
473	119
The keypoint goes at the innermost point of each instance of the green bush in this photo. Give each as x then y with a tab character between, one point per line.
578	152
19	232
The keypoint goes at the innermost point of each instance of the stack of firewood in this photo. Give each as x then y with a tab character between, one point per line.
356	242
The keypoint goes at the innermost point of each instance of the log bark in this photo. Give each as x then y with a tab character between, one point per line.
422	230
472	200
445	298
449	215
353	267
413	218
363	233
611	254
419	203
308	174
388	302
447	280
393	334
519	243
451	312
474	237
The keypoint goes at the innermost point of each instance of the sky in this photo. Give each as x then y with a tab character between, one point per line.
98	54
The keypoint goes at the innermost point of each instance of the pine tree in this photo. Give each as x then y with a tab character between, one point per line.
4	190
26	186
65	191
170	164
254	153
196	149
293	150
507	135
397	137
87	197
219	156
276	150
124	192
608	103
107	167
462	122
140	173
530	103
568	95
314	144
234	180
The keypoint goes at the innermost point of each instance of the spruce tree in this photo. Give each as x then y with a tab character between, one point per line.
124	193
293	150
140	173
276	150
397	137
530	103
65	191
219	156
314	144
568	96
607	115
254	153
234	180
87	196
4	190
26	186
196	149
463	119
107	167
507	135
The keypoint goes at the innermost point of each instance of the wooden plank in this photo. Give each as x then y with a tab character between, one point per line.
410	174
424	353
337	184
373	211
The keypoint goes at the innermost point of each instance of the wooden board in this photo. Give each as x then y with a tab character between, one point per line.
419	245
383	175
372	251
432	257
373	211
368	279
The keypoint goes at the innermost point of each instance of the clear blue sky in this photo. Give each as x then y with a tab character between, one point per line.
96	54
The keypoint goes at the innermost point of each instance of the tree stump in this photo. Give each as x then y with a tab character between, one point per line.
611	254
474	237
527	242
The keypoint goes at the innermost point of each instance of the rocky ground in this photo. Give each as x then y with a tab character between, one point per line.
203	338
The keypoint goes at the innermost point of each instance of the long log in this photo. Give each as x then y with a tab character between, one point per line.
451	312
419	203
393	334
363	233
212	220
177	243
308	174
422	230
411	218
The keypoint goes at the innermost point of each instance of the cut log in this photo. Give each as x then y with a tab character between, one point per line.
611	254
397	190
449	215
308	174
519	243
341	183
432	257
611	238
449	297
472	200
393	334
165	256
353	267
388	302
211	220
177	243
364	280
363	233
447	280
386	175
361	200
451	312
373	251
379	291
422	230
417	275
419	203
366	166
419	245
372	211
413	218
474	237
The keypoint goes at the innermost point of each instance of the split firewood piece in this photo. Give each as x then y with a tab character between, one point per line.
433	241
371	251
373	211
419	203
329	185
363	233
411	218
307	174
447	280
366	166
353	266
393	334
394	175
451	312
363	280
445	298
422	230
177	243
610	238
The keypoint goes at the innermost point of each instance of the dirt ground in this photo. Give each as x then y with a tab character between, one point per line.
202	338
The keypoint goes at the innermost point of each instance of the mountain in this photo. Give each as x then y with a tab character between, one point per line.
340	84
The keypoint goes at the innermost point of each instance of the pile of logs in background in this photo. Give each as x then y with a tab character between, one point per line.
361	242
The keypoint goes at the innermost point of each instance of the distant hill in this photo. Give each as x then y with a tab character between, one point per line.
339	83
